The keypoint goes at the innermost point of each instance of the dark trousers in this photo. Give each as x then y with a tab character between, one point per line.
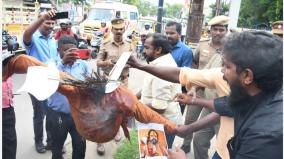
216	156
201	138
61	124
39	114
9	136
182	106
170	140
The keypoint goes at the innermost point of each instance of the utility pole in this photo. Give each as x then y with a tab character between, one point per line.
218	7
159	17
195	21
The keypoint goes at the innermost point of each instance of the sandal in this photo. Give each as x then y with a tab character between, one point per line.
117	137
100	149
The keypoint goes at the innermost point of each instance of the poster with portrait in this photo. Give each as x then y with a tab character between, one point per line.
152	141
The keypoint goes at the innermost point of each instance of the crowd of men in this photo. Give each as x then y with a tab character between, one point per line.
231	86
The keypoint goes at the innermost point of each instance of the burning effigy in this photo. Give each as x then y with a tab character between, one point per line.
97	114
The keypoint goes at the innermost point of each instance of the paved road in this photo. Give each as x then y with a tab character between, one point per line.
24	115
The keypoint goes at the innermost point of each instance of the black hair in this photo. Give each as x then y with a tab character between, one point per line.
160	40
149	135
260	52
67	39
178	26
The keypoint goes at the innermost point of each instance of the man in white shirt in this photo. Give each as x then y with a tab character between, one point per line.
156	93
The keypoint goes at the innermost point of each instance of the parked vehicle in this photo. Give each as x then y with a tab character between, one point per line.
96	42
17	15
10	41
106	11
147	21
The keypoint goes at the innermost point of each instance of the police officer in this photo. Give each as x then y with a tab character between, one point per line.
207	55
110	51
277	28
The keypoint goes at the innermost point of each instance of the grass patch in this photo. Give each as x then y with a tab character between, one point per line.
128	150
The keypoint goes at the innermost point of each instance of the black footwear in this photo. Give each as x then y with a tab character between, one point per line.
63	150
185	148
100	149
48	146
40	148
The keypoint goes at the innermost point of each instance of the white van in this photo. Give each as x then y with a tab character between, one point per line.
106	11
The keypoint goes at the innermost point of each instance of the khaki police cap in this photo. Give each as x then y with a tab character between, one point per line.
117	23
219	20
277	27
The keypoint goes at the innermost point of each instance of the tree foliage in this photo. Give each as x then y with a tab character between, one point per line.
224	10
254	12
145	8
148	9
173	11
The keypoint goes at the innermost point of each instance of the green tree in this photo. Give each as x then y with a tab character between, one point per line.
132	2
173	10
253	12
145	8
224	11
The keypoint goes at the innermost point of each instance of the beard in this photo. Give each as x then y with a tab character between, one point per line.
238	96
148	58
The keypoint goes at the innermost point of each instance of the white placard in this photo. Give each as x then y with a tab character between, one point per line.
41	81
116	72
118	67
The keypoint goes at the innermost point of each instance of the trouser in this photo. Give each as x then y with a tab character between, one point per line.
9	136
39	114
182	106
170	139
192	114
61	124
216	156
201	138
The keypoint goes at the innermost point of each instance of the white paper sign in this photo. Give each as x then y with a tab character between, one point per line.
41	81
116	72
118	67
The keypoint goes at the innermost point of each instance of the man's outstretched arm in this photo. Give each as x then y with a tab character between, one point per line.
219	106
208	121
189	99
27	38
166	73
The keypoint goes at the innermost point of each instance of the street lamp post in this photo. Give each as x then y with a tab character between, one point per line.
159	17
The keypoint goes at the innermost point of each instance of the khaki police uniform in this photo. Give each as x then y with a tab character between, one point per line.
206	56
110	49
204	52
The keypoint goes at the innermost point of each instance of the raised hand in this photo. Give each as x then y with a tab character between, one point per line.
48	15
184	98
70	56
133	62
